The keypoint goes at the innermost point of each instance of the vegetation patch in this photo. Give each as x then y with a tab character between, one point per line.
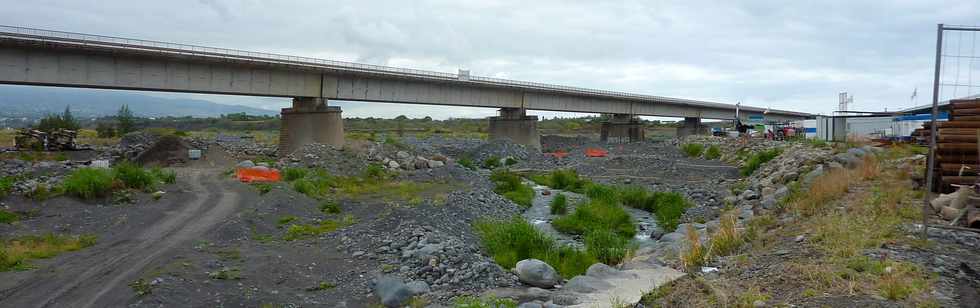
559	205
510	185
692	149
302	231
509	241
6	185
15	253
7	217
596	216
756	160
713	152
374	182
563	179
91	183
484	302
88	183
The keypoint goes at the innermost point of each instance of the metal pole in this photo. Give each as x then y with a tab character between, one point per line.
932	133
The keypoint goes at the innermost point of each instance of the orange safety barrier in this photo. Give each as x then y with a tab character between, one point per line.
557	154
594	152
248	175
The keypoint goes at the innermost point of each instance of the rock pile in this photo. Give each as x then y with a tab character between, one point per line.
406	161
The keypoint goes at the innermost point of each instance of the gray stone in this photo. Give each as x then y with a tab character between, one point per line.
392	291
537	273
813	175
529	305
436	164
246	164
766	191
603	271
749	194
856	152
791	176
847	159
834	166
672	237
746	214
393	165
418	287
769	202
586	284
402	155
781	193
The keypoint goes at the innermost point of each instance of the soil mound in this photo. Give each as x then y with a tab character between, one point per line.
165	151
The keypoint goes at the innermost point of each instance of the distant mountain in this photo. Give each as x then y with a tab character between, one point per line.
32	102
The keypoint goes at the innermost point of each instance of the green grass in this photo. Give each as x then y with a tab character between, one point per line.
563	179
559	205
692	149
713	152
262	188
285	220
7	217
669	206
510	161
165	176
513	240
607	247
88	183
6	185
133	176
15	253
467	163
758	159
302	231
491	162
509	185
292	174
602	193
596	216
487	302
306	187
329	207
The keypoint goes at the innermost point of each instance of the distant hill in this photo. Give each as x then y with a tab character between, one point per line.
32	102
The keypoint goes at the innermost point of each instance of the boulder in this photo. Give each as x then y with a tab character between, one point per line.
418	287
586	284
436	164
392	292
603	271
402	155
246	164
769	202
857	152
813	175
781	193
847	159
672	237
537	273
393	164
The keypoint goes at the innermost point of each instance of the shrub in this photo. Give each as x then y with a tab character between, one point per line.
692	149
602	193
669	208
756	160
510	161
509	241
133	176
559	205
329	207
284	220
375	172
713	152
306	187
165	176
7	217
634	196
607	247
263	188
88	183
596	216
491	162
509	185
467	163
292	174
6	185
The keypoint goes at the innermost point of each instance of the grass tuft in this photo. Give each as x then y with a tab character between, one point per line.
756	160
513	240
16	253
133	176
713	152
559	205
509	185
692	149
694	254
88	183
596	216
292	174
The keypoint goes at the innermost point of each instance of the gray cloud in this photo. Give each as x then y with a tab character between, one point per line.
781	54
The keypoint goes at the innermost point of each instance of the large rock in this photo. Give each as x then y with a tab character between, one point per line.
537	273
418	287
603	271
586	284
392	291
246	164
847	159
813	175
672	237
857	152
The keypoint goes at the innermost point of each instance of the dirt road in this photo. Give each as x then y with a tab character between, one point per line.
99	276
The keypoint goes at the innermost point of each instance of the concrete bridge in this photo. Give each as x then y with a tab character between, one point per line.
56	58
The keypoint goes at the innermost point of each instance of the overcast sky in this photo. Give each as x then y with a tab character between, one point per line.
794	55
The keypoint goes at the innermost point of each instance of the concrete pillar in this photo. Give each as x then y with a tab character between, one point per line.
621	128
691	126
310	120
516	125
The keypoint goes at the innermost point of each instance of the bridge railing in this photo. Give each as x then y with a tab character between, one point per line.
176	48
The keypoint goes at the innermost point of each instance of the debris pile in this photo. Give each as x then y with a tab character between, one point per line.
58	140
956	145
959	206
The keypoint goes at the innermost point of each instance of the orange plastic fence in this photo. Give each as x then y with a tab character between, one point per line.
249	175
557	154
594	152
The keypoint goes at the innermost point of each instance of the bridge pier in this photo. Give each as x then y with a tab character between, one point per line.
516	125
622	128
310	120
691	126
